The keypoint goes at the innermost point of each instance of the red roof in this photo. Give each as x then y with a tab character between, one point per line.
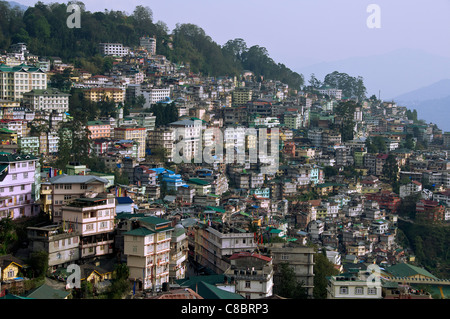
247	254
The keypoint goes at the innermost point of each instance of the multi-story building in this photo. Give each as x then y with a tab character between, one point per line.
69	187
241	96
48	100
116	49
154	95
213	243
98	94
330	91
253	274
162	137
93	218
187	136
178	253
147	249
62	246
293	120
301	258
17	185
137	134
353	286
29	145
149	44
17	80
98	129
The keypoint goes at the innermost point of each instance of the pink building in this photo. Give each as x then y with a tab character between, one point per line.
17	186
98	129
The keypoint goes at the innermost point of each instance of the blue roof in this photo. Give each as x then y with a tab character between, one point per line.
124	200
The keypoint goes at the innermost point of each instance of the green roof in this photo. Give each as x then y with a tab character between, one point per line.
216	209
7	158
407	270
47	292
198	181
142	231
209	291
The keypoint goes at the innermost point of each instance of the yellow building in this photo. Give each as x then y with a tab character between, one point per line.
105	94
137	134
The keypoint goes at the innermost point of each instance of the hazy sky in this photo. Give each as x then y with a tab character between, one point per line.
302	32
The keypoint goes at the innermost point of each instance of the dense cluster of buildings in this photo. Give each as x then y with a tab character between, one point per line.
229	216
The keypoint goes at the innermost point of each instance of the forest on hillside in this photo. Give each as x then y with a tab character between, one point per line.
44	28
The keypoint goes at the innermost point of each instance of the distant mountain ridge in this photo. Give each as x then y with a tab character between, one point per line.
393	73
432	103
13	4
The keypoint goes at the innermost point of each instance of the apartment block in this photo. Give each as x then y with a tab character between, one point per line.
47	100
68	187
17	185
92	216
116	49
17	80
213	243
147	249
135	133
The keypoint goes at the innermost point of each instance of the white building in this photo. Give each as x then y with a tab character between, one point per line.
153	95
46	100
353	286
149	43
116	49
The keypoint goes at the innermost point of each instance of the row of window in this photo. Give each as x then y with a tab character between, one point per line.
12	188
344	290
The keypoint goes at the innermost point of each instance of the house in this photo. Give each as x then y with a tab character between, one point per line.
10	267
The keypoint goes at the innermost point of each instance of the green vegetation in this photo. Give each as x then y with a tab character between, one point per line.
44	29
289	287
350	86
431	245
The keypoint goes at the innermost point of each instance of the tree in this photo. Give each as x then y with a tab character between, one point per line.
345	112
289	287
39	263
350	86
390	169
322	269
8	235
314	82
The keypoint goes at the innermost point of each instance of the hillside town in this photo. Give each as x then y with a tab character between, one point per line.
288	182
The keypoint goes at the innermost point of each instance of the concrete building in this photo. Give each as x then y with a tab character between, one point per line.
147	248
47	100
299	257
18	185
115	49
17	80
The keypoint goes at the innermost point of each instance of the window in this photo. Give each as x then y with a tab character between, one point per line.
83	186
359	291
67	186
247	284
372	291
11	188
343	290
14	177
